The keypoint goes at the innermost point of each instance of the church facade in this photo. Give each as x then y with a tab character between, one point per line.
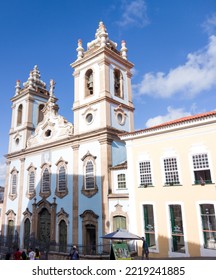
59	174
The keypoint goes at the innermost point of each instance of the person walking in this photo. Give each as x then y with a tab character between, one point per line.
37	254
17	254
74	255
24	255
31	254
145	249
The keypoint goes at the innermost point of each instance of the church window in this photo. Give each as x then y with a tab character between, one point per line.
89	118
31	181
17	141
40	113
10	229
14	184
120	115
118	83
19	114
89	170
119	222
48	133
62	179
89	83
89	175
46	180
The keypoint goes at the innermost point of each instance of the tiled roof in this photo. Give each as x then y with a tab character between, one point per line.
121	165
173	122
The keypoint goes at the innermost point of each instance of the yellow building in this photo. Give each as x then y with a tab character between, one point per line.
172	193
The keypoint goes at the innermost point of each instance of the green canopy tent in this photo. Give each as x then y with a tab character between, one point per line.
120	250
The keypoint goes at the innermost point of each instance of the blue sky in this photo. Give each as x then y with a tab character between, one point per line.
172	44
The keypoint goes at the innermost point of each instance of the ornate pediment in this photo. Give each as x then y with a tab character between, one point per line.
53	127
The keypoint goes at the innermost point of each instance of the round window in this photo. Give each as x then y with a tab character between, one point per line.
120	118
48	133
89	118
17	141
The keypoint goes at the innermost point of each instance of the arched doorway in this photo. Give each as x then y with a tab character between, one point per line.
44	222
89	231
27	226
90	239
62	236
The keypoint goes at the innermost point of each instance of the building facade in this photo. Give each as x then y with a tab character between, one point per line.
73	183
171	172
58	173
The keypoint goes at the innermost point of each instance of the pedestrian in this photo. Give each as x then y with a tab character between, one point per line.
8	256
37	254
31	254
17	254
24	255
145	249
74	255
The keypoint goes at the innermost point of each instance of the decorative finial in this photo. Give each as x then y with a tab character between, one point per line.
31	80
124	49
17	87
80	50
52	87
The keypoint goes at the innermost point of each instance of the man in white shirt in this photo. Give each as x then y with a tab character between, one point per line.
31	254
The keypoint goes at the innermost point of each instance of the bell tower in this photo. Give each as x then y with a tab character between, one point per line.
102	86
27	105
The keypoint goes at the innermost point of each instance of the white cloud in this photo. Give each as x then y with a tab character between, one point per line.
134	13
209	25
172	114
2	173
195	76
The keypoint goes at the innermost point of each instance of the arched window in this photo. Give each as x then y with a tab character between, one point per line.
19	114
119	222
10	229
118	83
45	181
89	170
14	184
89	175
61	179
31	181
89	83
40	113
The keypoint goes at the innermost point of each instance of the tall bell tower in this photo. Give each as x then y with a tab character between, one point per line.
102	86
27	106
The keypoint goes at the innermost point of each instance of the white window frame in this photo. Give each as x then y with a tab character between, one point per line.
156	249
204	252
145	173
172	254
